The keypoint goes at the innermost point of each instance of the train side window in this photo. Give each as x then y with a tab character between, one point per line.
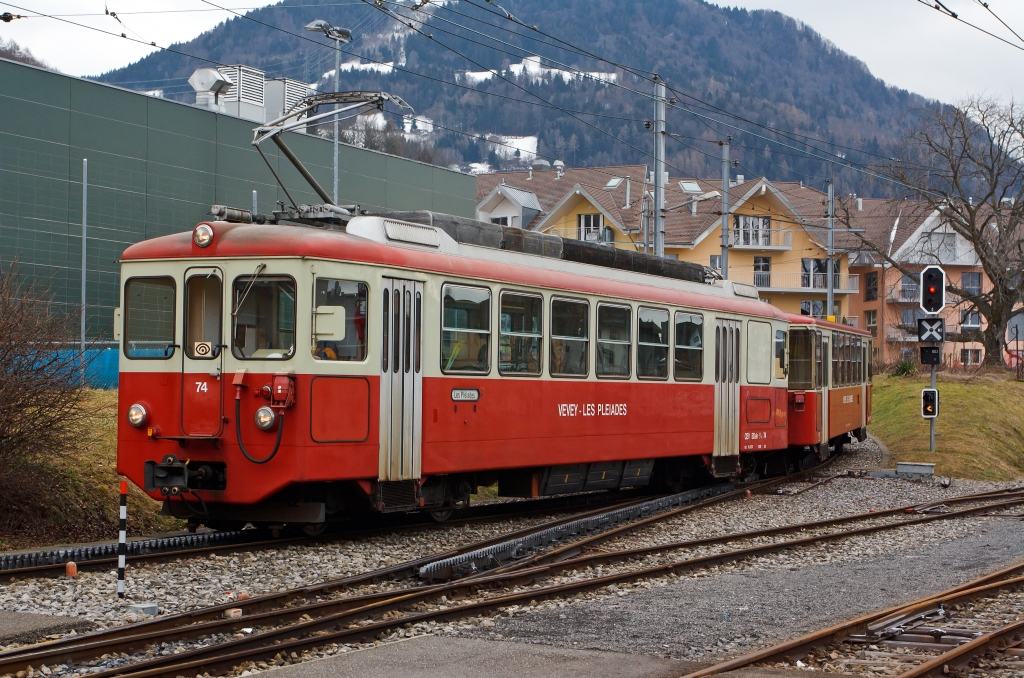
836	348
570	331
202	317
386	305
264	327
689	349
149	318
652	343
465	329
614	343
801	360
759	352
781	368
340	320
520	334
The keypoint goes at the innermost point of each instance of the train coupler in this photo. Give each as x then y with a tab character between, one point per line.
171	477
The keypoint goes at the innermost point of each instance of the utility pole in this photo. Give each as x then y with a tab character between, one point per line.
337	88
725	206
659	167
830	286
85	222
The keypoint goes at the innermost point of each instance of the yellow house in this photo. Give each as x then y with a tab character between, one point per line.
777	236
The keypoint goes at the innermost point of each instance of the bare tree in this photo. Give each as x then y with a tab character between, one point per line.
966	163
40	376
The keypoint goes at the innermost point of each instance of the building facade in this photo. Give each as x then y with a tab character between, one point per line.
776	232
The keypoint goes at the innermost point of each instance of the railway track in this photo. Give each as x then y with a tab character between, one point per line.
275	624
971	629
51	562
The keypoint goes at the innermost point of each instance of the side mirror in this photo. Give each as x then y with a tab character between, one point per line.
329	323
117	324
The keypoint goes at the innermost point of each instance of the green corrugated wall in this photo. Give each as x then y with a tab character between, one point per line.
155	167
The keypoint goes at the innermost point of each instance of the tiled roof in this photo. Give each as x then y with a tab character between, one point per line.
878	219
550	189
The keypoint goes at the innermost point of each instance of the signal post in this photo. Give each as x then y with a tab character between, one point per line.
933	331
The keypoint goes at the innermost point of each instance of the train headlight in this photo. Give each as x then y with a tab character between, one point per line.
136	415
265	418
202	235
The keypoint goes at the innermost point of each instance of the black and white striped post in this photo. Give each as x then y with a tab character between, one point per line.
122	539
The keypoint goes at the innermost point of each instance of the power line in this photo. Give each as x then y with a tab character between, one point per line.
990	11
942	9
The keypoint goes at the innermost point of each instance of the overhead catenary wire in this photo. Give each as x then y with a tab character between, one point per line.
942	9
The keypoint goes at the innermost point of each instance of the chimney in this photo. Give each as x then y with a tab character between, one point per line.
801	183
530	176
626	206
559	167
210	87
540	164
693	208
860	204
970	200
739	178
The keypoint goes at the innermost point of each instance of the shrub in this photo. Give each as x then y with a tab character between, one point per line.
905	368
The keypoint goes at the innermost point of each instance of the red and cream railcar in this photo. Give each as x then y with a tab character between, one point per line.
829	384
280	374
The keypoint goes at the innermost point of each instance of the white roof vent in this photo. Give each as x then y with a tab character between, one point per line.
246	84
210	86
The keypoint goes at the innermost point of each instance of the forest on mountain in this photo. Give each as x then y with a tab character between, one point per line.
787	96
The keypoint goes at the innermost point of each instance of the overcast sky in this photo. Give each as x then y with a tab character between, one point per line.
902	41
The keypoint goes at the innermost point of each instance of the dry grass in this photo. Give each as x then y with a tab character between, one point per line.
979	432
75	498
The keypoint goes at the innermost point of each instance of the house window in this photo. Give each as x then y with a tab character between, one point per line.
762	271
716	262
871	322
970	283
812	307
970	320
871	286
748	230
814	273
970	356
500	221
588	227
910	316
908	288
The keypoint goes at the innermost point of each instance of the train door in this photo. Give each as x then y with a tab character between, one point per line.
401	383
202	402
727	396
826	376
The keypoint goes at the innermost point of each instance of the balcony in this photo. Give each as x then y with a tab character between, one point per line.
844	283
761	239
904	294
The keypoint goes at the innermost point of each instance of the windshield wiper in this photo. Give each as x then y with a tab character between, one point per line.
248	287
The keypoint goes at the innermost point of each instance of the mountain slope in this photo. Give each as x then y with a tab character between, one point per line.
760	65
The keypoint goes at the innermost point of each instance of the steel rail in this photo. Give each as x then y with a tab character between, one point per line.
794	649
482	513
267	644
277	600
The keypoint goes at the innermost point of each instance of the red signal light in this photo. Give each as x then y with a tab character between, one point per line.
931	290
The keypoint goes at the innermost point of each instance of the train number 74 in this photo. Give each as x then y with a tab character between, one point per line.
201	387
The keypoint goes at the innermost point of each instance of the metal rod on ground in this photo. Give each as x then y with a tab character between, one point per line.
122	539
85	226
725	208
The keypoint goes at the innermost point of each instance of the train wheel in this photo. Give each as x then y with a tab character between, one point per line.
314	529
840	443
442	514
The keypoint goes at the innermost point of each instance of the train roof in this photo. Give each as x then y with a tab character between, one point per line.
799	319
366	241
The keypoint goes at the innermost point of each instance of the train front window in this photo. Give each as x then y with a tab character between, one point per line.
613	340
521	332
570	322
264	318
689	347
149	318
801	360
340	320
652	343
203	317
465	329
